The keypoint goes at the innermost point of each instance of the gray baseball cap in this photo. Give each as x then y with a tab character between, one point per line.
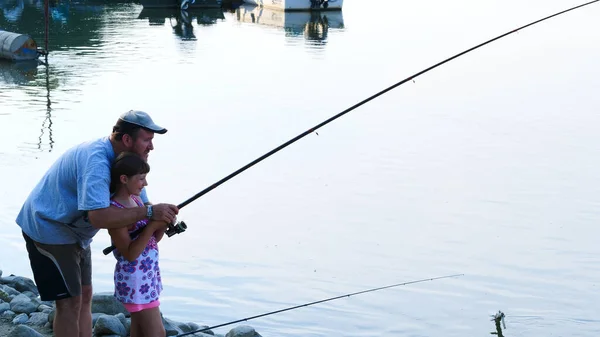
142	119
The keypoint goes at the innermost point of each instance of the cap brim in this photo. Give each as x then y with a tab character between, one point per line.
160	131
154	128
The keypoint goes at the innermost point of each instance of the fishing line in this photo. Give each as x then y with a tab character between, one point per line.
316	302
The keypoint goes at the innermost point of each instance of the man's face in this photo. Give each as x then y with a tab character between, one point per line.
142	144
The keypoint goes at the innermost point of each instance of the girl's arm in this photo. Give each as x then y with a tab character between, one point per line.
131	249
159	233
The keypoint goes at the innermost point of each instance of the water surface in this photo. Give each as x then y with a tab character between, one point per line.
486	166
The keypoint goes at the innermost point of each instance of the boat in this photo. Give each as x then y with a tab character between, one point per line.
181	4
313	25
298	5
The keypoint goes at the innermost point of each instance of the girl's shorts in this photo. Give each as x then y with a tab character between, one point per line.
132	307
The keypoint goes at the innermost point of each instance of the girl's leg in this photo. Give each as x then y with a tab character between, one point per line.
149	323
134	330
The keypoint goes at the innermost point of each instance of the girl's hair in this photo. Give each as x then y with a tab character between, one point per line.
129	164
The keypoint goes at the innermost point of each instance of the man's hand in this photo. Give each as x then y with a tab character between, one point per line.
165	212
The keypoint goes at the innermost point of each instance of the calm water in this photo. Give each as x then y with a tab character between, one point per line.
487	166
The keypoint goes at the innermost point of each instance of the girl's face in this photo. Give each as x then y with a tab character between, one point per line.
134	184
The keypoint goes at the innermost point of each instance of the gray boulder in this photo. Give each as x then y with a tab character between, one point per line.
30	295
125	321
95	317
9	290
24	331
172	327
20	283
195	327
3	307
20	319
8	314
109	325
22	303
4	296
106	303
44	307
38	319
242	331
51	317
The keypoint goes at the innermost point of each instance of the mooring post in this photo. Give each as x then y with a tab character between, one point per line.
47	21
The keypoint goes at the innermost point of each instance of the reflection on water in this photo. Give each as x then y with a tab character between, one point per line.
80	20
47	123
182	20
314	26
18	73
12	10
27	74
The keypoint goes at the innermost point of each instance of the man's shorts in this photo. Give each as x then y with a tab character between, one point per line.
59	270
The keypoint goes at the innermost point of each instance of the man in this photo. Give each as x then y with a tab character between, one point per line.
69	206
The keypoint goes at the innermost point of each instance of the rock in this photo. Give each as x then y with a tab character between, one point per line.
51	316
24	331
22	303
44	307
20	319
4	296
20	283
95	317
106	303
242	331
48	303
9	314
126	322
195	327
109	325
172	328
29	294
10	290
0	273
3	307
38	319
175	328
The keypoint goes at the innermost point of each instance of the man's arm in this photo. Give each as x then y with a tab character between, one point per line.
113	217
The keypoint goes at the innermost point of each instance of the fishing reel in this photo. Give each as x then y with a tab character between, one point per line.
177	228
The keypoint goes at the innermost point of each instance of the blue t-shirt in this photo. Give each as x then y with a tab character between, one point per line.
78	181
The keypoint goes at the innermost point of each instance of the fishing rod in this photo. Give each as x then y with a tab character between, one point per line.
180	227
316	302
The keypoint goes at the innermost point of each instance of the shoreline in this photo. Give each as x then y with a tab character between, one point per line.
24	314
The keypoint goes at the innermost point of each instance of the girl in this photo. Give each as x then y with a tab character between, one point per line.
137	275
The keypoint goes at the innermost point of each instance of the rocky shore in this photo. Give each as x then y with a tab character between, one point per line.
24	314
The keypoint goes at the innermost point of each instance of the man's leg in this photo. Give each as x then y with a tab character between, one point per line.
66	317
57	273
85	313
